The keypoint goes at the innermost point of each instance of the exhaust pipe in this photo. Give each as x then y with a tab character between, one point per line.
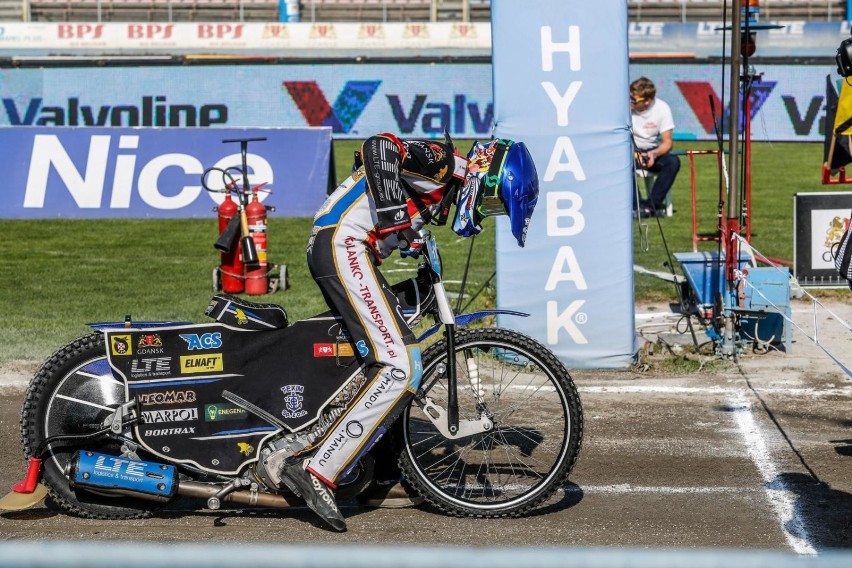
207	491
156	482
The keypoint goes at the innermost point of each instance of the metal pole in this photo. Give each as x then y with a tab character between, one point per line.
732	223
733	213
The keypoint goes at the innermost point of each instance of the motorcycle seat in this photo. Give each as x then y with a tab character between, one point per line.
237	312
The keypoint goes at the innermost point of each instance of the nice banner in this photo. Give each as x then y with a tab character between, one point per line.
156	172
561	86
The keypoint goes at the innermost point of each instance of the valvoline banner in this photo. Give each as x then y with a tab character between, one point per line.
156	172
355	101
561	86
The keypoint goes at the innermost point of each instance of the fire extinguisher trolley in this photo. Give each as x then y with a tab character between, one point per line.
244	266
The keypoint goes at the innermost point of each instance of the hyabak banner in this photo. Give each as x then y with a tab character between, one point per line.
156	172
561	86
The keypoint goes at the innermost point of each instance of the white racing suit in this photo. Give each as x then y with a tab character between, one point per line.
353	231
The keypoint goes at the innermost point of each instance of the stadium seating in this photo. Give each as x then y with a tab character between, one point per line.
395	10
154	10
366	10
708	10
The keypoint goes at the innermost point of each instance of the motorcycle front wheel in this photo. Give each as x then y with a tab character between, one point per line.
73	393
531	446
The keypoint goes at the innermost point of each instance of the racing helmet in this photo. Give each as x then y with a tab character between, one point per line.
501	180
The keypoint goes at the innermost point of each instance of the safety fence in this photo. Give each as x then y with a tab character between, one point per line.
191	555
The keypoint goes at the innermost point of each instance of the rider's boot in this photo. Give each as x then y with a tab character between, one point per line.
317	495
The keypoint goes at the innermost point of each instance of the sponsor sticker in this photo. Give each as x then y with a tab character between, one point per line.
293	401
156	432
202	341
332	350
167	397
120	345
220	412
186	414
201	363
149	344
150	340
149	367
323	349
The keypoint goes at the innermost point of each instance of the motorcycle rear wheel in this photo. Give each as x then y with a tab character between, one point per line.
72	393
528	453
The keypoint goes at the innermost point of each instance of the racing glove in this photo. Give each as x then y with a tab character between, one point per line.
411	244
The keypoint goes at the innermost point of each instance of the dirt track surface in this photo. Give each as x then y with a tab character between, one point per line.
755	453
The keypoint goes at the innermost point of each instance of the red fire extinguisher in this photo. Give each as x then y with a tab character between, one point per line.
256	273
231	267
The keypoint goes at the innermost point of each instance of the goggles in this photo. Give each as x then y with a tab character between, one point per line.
491	203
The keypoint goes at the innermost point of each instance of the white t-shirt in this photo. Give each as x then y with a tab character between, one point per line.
648	124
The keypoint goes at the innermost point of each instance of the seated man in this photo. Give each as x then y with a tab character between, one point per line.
652	136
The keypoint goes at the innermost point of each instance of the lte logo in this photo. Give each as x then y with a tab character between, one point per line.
348	106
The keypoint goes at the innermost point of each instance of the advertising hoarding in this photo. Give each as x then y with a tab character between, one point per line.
155	172
357	100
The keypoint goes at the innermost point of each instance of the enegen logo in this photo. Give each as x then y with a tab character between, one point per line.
350	103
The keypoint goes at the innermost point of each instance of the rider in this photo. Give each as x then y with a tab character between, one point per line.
402	185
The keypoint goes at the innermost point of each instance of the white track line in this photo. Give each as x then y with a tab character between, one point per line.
779	495
658	389
626	488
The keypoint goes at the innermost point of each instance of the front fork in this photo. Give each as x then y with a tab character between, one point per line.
448	318
452	380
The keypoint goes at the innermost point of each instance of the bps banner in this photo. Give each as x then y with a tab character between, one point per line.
155	172
560	85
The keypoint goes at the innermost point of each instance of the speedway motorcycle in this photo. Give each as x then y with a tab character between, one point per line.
135	415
